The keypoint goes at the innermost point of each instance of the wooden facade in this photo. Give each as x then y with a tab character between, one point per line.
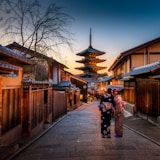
148	98
41	106
141	55
145	95
28	104
82	85
11	95
44	69
10	115
143	90
129	93
140	90
37	103
59	107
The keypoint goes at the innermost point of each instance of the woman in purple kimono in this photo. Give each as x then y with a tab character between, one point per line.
106	105
118	113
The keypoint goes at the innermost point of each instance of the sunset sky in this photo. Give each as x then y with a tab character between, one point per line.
117	25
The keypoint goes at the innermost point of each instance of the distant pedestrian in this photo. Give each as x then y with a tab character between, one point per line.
118	113
106	105
97	96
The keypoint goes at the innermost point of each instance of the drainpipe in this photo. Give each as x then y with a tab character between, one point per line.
147	104
148	58
144	58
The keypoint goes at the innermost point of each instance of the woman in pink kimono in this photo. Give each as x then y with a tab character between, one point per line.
118	113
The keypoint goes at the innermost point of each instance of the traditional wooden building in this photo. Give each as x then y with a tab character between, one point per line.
28	100
39	97
142	87
44	69
44	84
90	61
11	95
76	89
82	85
141	55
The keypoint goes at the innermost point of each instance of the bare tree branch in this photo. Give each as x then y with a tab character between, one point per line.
34	27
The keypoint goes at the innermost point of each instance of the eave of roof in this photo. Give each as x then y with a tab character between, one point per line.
10	55
6	68
90	50
89	74
64	84
90	79
155	77
143	69
105	79
21	48
78	78
130	51
91	67
97	60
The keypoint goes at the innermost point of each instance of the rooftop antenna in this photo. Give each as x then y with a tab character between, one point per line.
90	38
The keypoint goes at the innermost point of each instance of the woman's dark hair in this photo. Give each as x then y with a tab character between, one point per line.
109	90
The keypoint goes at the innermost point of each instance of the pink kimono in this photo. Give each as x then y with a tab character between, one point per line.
119	110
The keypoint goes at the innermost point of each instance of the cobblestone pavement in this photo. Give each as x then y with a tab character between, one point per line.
76	136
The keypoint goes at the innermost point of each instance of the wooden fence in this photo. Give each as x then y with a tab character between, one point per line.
129	95
59	101
10	113
148	98
26	109
11	107
129	92
41	104
144	93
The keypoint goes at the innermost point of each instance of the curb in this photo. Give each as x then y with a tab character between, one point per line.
35	139
141	134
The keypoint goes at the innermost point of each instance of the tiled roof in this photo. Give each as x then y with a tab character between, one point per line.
91	59
91	67
7	66
90	50
8	53
78	78
122	55
64	84
143	69
17	46
105	79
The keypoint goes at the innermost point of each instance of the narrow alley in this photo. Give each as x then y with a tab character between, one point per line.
76	136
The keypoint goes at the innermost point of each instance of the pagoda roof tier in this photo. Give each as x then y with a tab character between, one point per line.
90	67
89	75
96	60
90	51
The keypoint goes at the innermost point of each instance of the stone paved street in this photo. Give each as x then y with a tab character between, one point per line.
77	137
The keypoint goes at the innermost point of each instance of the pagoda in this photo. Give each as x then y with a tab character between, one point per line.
90	62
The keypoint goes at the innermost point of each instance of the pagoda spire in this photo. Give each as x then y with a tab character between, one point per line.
90	61
90	38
